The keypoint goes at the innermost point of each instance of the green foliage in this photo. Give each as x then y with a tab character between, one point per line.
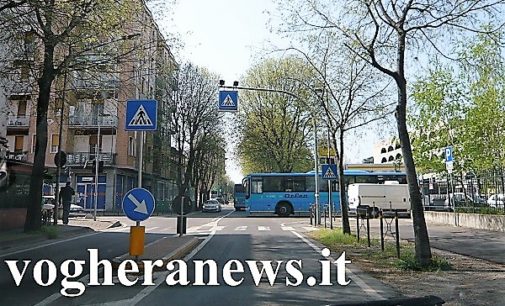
274	127
409	262
464	109
51	232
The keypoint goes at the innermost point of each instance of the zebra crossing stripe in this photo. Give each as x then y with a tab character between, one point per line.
263	228
241	228
287	228
309	228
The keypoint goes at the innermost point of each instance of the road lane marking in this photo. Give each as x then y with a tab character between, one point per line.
364	286
263	228
309	228
48	244
161	279
84	279
152	228
241	228
147	290
287	228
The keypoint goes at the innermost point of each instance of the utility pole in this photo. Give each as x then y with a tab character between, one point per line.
97	164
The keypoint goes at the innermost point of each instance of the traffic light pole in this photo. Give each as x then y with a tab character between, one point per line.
316	164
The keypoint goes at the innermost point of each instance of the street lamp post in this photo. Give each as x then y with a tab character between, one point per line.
313	114
97	162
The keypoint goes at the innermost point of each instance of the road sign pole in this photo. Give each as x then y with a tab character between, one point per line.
141	162
97	163
181	216
316	174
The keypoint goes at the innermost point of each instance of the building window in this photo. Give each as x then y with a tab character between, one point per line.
19	144
55	141
383	150
391	158
34	140
390	148
398	156
384	160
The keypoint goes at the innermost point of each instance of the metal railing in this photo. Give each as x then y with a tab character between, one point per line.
80	158
14	120
92	121
20	156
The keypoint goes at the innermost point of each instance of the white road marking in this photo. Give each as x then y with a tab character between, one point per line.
241	228
263	228
85	279
369	290
161	279
309	228
287	228
151	228
48	244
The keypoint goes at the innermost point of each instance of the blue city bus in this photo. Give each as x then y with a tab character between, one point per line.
239	197
287	194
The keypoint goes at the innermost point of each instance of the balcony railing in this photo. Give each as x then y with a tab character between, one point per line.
93	121
19	121
20	156
80	158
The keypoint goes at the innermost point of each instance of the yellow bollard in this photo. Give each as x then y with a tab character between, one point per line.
137	234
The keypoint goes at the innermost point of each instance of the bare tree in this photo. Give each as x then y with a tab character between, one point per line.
352	96
380	32
194	116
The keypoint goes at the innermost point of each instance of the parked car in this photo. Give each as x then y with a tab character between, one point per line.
496	200
212	205
460	200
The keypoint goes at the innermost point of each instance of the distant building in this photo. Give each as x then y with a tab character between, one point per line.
388	152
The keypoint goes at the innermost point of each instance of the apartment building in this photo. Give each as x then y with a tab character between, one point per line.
92	122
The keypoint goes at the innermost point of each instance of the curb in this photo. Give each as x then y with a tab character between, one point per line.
178	253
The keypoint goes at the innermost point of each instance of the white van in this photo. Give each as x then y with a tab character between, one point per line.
379	197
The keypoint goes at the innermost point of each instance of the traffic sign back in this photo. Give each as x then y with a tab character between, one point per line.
138	204
141	115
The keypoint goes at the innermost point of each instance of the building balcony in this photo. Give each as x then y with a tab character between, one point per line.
18	121
19	156
86	158
92	121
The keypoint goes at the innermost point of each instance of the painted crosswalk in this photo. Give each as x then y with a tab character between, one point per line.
208	228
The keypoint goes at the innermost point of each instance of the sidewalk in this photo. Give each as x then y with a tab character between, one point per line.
481	244
77	226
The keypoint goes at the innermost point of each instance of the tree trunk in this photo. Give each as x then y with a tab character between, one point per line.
344	207
33	214
422	241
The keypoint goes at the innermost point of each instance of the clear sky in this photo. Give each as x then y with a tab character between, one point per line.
225	36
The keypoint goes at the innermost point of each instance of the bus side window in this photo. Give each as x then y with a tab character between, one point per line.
257	186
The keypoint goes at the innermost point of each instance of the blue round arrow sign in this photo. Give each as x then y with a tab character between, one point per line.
138	204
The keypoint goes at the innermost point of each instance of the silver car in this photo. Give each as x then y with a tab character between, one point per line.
211	205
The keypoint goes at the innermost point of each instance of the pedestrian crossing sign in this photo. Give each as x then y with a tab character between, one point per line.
329	172
228	100
141	115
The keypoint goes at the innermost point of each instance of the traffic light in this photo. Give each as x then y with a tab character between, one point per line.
100	166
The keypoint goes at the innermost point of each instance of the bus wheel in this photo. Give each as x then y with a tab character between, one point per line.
283	209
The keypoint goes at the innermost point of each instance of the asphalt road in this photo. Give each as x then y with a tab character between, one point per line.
225	236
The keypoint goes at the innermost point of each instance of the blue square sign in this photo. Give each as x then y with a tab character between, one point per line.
141	115
329	172
228	100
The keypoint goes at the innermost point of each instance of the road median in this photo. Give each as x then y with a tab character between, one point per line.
165	249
